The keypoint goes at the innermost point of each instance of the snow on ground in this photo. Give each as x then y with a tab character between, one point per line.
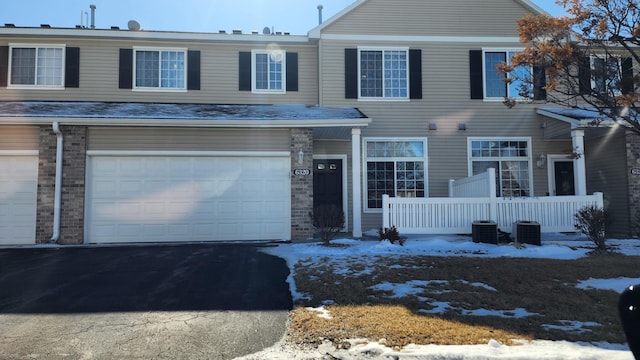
554	246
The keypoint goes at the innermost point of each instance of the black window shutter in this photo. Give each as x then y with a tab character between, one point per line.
539	82
244	74
627	76
4	65
475	74
351	73
292	71
72	67
415	74
126	69
584	75
193	70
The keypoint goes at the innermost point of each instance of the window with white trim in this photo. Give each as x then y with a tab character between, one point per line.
37	66
164	69
384	73
396	167
511	157
606	74
269	71
495	87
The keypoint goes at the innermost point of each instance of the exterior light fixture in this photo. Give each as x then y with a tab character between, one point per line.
541	161
462	126
300	157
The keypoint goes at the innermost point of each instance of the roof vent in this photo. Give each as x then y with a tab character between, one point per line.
133	25
115	28
237	31
222	31
9	25
45	26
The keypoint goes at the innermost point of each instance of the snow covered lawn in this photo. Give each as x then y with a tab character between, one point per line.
341	259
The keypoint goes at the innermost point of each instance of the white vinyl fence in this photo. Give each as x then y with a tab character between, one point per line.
456	215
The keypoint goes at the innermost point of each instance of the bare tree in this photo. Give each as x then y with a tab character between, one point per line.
583	60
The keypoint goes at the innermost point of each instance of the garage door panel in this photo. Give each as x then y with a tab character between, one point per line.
18	199
195	198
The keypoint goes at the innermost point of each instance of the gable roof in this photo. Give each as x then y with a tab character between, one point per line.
316	31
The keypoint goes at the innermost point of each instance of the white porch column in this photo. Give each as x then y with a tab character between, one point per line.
580	172
356	166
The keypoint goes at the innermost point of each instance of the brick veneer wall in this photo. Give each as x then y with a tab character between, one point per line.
301	185
46	184
73	185
633	149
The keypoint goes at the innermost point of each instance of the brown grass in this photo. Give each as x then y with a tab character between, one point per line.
541	286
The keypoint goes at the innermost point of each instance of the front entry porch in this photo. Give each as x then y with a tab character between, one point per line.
474	199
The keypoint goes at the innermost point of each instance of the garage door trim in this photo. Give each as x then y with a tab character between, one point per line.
188	153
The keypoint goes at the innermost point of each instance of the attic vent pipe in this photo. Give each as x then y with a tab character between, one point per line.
319	14
93	16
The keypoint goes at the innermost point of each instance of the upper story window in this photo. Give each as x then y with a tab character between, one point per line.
269	71
384	73
495	87
164	69
607	73
37	66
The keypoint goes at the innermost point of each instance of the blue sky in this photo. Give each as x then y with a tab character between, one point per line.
294	16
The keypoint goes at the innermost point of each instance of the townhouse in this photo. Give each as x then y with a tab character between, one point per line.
110	135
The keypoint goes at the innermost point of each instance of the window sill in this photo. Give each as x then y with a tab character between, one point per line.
35	87
384	99
160	90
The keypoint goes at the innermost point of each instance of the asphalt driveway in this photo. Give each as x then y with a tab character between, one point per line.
185	301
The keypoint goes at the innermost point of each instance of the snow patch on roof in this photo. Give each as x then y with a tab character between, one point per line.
123	110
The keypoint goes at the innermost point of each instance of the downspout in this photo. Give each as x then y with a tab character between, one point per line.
58	184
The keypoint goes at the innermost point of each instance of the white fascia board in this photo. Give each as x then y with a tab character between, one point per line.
555	116
244	123
584	123
418	38
152	35
533	7
315	32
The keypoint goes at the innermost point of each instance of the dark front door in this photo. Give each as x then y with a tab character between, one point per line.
327	182
564	178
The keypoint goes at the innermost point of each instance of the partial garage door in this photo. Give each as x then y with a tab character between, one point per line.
18	197
187	198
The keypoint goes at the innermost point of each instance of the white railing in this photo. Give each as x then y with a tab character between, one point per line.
456	215
481	185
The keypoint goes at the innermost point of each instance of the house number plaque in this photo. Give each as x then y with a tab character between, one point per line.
301	172
635	171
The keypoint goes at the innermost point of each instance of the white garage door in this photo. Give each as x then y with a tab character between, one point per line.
18	197
187	198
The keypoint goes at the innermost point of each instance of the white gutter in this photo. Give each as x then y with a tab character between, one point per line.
58	184
202	123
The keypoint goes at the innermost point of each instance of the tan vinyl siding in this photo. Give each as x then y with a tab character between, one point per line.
431	18
19	137
144	139
446	102
99	68
606	163
556	129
